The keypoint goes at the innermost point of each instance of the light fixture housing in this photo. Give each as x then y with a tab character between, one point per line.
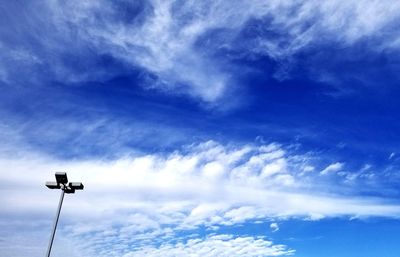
61	177
76	185
53	185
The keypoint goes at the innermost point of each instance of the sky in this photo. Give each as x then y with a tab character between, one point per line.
201	128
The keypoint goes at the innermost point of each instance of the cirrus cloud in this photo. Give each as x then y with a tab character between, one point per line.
182	47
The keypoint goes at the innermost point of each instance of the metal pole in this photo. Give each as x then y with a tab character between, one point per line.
55	222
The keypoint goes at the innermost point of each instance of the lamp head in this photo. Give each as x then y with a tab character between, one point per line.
61	177
76	185
53	185
62	183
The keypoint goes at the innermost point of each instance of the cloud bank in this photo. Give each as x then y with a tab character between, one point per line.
143	204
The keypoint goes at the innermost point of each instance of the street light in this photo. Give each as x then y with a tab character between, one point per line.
69	188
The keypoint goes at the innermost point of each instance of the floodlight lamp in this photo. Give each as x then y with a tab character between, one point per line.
53	185
61	177
76	185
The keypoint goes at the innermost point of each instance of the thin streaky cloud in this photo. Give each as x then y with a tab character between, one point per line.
165	38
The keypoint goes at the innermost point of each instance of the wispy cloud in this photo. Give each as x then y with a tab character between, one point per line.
176	42
334	167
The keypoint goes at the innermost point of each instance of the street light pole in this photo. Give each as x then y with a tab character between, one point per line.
61	183
55	223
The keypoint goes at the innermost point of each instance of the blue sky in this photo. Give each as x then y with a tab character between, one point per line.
201	128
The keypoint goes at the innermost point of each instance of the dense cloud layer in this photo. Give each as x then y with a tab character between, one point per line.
135	202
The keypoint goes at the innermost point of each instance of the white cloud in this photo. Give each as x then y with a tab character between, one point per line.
138	200
166	41
334	167
163	37
216	246
274	227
